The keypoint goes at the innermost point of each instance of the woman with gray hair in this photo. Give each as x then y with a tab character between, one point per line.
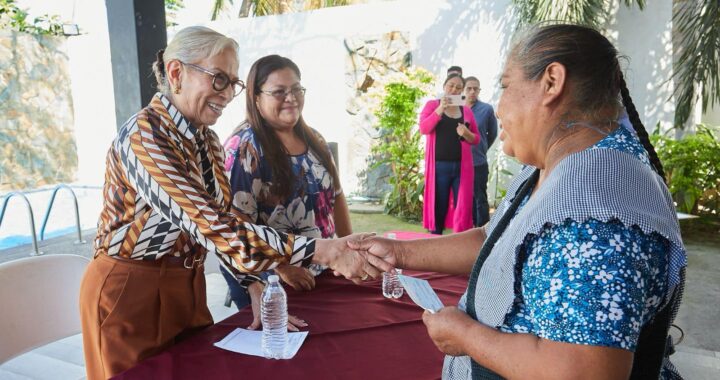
579	273
167	204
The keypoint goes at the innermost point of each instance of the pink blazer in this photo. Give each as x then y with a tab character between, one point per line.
459	219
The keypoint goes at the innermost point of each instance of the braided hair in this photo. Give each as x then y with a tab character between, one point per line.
640	128
593	71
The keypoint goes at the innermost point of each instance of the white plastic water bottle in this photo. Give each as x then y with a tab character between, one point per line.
274	316
391	286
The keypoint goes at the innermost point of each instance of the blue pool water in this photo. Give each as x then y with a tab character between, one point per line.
15	240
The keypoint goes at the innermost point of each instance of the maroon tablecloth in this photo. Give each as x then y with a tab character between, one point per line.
355	333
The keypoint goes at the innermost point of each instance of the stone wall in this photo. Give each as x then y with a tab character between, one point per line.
370	60
37	146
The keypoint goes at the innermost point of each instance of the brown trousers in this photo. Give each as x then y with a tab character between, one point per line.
132	309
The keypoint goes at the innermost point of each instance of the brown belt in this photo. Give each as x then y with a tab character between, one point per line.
187	262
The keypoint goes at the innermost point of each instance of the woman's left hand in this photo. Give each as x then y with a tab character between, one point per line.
463	131
445	328
255	290
297	277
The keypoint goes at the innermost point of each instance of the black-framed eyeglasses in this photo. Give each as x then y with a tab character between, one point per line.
220	81
298	92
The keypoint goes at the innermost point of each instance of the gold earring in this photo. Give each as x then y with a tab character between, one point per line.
177	89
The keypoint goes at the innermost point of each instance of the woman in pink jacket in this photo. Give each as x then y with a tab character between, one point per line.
450	131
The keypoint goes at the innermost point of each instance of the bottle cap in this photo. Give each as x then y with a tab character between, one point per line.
273	278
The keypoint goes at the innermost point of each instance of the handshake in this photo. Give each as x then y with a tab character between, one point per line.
357	257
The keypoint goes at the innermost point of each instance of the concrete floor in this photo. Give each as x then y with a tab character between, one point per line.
64	359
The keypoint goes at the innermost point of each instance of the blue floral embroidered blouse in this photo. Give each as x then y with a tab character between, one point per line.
591	282
308	211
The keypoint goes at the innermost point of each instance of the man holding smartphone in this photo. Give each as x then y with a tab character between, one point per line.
487	127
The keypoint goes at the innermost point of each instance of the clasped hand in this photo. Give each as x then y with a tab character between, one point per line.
352	263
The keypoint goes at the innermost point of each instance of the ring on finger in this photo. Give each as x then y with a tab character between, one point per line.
365	277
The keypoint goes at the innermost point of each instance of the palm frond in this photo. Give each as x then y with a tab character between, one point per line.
266	7
583	12
335	3
640	3
218	7
244	8
592	13
698	26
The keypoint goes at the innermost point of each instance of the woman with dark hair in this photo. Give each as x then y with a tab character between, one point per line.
281	171
580	271
450	131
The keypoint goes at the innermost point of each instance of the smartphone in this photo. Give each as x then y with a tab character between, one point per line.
456	100
467	125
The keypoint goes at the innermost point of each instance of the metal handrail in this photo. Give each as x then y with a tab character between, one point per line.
49	208
11	194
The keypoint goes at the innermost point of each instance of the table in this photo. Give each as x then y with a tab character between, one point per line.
355	333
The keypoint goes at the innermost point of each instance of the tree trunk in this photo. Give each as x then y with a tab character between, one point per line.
244	9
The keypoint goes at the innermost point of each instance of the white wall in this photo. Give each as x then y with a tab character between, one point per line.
712	116
645	38
470	33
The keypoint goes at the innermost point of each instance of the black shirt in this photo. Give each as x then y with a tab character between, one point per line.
447	141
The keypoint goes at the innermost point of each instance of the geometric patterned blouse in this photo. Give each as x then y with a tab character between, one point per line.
166	193
591	282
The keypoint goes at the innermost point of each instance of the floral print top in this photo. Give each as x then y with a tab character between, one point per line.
307	212
591	282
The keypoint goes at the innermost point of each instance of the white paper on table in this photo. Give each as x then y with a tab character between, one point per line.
421	293
249	342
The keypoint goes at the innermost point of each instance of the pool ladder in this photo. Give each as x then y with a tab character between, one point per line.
31	218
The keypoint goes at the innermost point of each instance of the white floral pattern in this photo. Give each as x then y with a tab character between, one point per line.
591	282
307	212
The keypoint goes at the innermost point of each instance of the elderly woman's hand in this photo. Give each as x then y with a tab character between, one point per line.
346	262
379	249
297	277
446	328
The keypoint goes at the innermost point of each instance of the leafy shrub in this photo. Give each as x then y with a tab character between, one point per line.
15	19
692	166
399	142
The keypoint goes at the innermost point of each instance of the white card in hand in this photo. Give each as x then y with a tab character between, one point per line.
421	293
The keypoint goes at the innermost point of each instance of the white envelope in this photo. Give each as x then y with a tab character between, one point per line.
421	293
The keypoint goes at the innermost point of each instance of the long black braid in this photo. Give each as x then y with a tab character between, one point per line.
638	126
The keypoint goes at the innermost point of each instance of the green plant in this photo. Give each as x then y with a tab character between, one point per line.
399	142
14	18
500	175
692	169
171	9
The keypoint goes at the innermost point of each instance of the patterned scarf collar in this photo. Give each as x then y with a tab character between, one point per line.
162	104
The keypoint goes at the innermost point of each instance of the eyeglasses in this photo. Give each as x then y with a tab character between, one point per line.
220	81
298	92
